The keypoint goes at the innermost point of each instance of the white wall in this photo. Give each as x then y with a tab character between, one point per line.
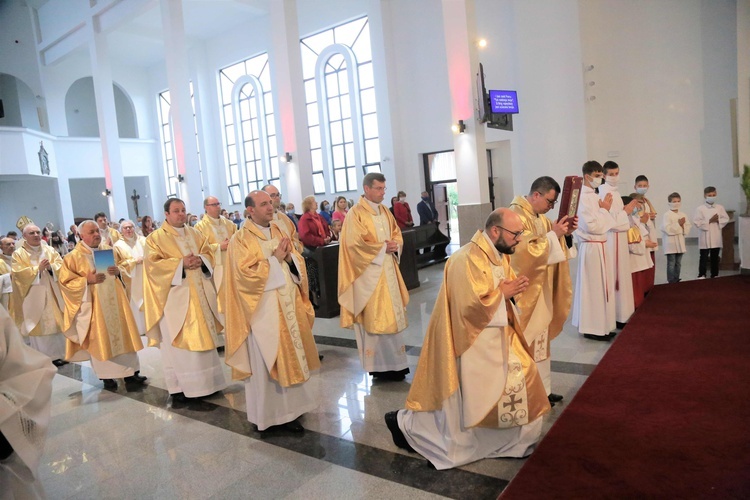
655	105
18	54
35	197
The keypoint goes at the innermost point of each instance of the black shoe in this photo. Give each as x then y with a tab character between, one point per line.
110	384
320	357
551	404
59	362
601	338
392	375
292	426
135	380
612	334
391	420
554	398
620	325
180	401
220	349
139	377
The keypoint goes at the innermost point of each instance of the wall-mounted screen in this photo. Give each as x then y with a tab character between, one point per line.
503	101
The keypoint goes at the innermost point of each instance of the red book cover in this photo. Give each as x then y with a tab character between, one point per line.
571	193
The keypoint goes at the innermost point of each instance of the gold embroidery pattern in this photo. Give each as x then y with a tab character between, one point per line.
513	407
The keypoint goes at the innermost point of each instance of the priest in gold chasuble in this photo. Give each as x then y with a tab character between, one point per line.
7	247
282	221
97	319
35	302
129	259
476	392
372	293
542	255
217	230
180	305
269	322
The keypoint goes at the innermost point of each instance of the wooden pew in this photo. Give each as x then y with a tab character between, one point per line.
432	242
327	258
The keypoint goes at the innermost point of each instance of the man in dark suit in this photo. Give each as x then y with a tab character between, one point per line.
73	235
426	210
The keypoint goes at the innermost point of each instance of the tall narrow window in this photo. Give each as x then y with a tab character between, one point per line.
165	122
341	108
249	126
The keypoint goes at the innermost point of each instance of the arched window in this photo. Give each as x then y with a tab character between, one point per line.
165	124
249	126
341	108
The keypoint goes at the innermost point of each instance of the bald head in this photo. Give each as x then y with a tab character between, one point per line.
32	234
274	193
504	228
212	206
260	207
7	246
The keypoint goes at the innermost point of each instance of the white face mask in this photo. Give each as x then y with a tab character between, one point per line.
710	200
612	180
674	205
641	190
403	198
596	182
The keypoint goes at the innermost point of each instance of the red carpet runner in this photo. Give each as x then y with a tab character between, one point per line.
666	413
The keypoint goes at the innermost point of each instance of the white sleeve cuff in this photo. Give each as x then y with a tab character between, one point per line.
556	253
378	261
276	277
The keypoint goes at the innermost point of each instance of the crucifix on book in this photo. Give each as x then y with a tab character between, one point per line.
135	199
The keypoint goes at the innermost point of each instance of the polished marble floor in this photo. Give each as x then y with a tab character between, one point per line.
120	444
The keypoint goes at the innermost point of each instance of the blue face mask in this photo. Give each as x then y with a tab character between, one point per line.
710	200
426	199
290	212
641	190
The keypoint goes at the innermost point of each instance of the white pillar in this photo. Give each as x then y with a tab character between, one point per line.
107	118
470	150
291	111
183	126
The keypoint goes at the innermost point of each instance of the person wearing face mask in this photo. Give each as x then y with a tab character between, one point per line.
617	244
594	296
674	227
290	213
639	243
129	258
709	218
426	211
324	212
641	188
402	212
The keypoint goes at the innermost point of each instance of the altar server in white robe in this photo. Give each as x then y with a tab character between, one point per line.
36	303
129	259
594	297
269	322
476	392
180	306
25	392
618	258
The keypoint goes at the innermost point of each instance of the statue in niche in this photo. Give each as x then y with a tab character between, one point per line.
43	159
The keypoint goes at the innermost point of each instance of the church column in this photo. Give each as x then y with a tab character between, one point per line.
183	126
107	117
296	176
469	146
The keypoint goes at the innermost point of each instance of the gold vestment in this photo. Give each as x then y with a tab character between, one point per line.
530	260
210	228
112	330
24	274
466	303
248	269
162	258
358	247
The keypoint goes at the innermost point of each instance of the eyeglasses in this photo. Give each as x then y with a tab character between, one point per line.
551	203
213	204
516	235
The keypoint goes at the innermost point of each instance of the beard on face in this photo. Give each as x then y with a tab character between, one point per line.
503	248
